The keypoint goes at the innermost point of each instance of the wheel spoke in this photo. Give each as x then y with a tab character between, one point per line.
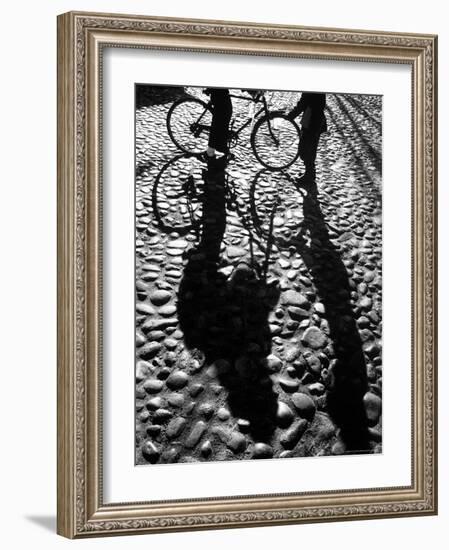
188	124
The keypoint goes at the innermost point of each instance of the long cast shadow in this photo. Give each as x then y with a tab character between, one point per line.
328	272
374	153
357	105
355	155
226	318
148	95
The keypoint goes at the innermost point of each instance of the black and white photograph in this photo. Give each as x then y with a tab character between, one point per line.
258	274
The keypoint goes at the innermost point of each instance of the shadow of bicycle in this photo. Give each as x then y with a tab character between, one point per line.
225	318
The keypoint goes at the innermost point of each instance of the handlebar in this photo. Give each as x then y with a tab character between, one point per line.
256	95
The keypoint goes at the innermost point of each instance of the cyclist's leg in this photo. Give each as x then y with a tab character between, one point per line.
308	150
222	113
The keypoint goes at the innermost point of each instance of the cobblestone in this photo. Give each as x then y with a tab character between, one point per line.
284	367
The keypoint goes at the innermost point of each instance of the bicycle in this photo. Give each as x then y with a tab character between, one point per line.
274	136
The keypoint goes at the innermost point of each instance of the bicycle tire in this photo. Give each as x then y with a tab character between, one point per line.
181	118
276	155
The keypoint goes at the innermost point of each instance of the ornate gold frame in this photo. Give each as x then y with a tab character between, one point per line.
81	37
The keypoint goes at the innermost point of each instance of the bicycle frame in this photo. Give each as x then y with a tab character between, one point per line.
197	127
264	109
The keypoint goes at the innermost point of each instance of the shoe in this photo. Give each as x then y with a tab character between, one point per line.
224	160
306	180
220	163
204	157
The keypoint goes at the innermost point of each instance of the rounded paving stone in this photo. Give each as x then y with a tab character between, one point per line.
196	434
284	415
262	450
244	425
291	354
142	370
160	297
167	311
145	309
314	338
175	427
170	455
316	388
206	410
196	389
371	349
289	385
170	343
140	339
155	335
294	434
177	380
206	448
223	414
297	313
235	252
304	404
366	303
154	431
363	322
293	298
150	452
150	350
153	386
176	400
237	442
155	403
373	408
274	364
162	415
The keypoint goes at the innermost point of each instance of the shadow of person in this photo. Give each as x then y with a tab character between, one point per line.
328	272
225	318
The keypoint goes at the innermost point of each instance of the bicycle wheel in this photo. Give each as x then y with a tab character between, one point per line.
188	124
275	141
178	195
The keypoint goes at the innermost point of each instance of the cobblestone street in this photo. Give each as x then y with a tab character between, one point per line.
232	364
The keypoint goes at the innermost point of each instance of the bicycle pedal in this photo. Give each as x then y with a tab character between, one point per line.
189	186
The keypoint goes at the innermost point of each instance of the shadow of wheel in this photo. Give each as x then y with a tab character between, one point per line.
276	207
177	195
